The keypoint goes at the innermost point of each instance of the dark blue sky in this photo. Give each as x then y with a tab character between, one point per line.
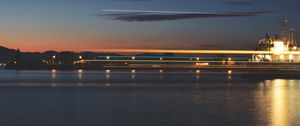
39	25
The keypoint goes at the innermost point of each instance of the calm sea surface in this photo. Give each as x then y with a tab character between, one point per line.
145	98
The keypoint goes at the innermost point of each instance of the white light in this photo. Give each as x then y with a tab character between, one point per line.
80	71
107	57
198	58
281	57
229	71
197	71
133	71
107	71
291	57
161	71
133	58
53	71
295	48
269	57
279	47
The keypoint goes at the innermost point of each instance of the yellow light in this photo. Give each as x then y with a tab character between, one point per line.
269	57
229	71
279	47
291	57
185	51
281	57
229	59
295	48
197	71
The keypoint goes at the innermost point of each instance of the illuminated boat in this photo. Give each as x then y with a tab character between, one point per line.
279	45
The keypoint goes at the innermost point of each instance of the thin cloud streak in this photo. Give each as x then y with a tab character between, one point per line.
150	15
239	3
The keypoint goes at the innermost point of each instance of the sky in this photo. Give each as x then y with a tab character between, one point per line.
79	25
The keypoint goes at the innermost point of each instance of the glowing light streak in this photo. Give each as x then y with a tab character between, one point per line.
194	51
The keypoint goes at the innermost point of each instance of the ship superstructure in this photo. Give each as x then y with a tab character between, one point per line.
279	45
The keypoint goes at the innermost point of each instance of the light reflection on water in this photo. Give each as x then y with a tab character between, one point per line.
185	99
279	103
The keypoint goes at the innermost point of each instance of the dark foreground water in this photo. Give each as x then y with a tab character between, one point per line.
147	98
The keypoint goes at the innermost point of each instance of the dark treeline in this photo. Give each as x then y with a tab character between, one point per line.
16	59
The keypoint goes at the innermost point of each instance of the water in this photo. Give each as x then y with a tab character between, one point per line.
148	98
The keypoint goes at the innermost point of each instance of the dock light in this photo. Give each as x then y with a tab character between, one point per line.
133	58
198	58
223	62
107	71
197	71
53	56
80	57
229	72
107	57
133	71
53	70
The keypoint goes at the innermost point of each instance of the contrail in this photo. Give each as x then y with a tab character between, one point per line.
164	12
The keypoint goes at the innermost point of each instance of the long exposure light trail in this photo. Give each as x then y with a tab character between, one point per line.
192	51
174	61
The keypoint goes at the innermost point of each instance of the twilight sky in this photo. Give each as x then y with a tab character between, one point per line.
75	25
